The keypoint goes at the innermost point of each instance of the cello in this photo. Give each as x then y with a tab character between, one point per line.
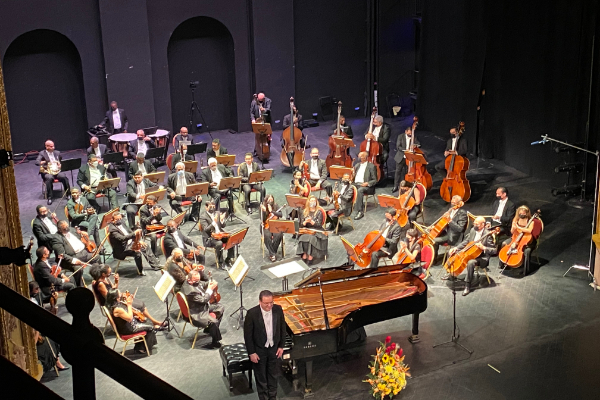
262	136
292	154
417	171
407	202
338	155
373	242
457	263
455	182
511	255
372	147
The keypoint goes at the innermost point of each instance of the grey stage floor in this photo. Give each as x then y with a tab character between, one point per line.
539	331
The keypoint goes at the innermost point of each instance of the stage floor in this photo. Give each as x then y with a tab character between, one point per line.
538	331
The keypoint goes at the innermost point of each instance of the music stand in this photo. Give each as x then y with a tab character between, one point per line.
196	189
156	177
226	159
260	176
150	130
282	226
179	218
107	218
343	142
284	268
296	201
196	148
191	166
159	194
108	184
350	250
415	157
336	172
230	183
387	201
70	165
155	152
235	239
237	273
162	289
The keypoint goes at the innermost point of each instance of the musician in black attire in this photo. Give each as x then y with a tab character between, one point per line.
43	276
175	266
455	145
202	312
176	190
88	178
174	238
213	222
136	190
503	211
412	250
264	336
346	195
115	119
141	144
213	175
402	144
317	169
287	121
73	251
216	150
260	108
272	239
121	239
486	245
182	136
100	150
245	170
51	158
151	214
347	129
390	231
177	156
520	225
382	133
454	231
43	227
140	164
365	179
315	244
83	215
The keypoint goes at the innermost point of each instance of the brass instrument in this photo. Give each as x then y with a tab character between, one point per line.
51	167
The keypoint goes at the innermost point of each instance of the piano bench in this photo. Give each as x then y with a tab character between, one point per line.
234	358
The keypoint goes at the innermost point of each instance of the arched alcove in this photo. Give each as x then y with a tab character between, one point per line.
45	92
201	49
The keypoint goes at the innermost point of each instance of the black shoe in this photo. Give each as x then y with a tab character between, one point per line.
63	368
49	201
359	215
467	290
395	189
294	236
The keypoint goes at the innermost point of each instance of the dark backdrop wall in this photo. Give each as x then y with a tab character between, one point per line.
42	108
201	50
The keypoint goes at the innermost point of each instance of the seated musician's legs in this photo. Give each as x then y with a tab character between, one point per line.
195	211
261	189
399	175
527	259
153	240
91	198
471	264
440	240
218	246
62	178
48	180
176	206
361	192
247	189
218	309
229	195
92	228
137	256
213	331
412	215
328	187
131	211
111	171
112	198
77	278
215	195
151	258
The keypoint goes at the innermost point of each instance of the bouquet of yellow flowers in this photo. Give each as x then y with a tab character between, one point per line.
388	372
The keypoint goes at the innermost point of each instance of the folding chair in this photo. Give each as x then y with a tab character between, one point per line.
134	338
185	311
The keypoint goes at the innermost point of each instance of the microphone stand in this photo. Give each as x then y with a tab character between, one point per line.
588	268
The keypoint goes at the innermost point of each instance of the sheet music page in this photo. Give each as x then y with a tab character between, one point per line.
164	286
238	272
286	269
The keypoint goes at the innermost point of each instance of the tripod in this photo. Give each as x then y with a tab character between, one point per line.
241	309
455	335
195	106
168	320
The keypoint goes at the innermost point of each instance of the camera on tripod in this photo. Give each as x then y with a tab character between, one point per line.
194	84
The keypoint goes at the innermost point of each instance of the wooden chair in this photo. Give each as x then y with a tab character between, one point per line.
185	311
538	229
134	338
170	160
366	200
102	310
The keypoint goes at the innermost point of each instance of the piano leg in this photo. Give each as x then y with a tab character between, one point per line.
414	338
308	379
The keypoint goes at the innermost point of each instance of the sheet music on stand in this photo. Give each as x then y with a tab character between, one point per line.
238	272
163	286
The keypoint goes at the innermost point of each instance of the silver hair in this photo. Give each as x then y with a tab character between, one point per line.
379	118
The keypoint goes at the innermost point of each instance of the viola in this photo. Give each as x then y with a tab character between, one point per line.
455	182
512	254
270	217
407	202
215	297
338	155
373	242
457	263
188	266
220	235
373	147
136	313
291	142
155	227
417	172
56	270
89	245
308	231
138	243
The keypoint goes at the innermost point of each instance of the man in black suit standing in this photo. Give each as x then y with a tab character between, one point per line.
245	170
44	278
402	144
177	184
264	335
455	145
89	176
365	179
503	211
174	239
260	107
100	150
382	133
115	119
49	160
213	175
391	232
43	227
216	150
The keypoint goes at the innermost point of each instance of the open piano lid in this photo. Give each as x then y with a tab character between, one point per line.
329	275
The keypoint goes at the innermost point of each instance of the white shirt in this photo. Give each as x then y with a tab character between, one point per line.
142	148
74	242
501	206
454	141
97	152
53	229
124	232
51	156
95	176
385	232
50	268
360	173
453	213
181	185
376	132
408	139
216	176
249	169
116	119
212	218
342	190
180	243
141	190
314	170
142	167
268	318
478	235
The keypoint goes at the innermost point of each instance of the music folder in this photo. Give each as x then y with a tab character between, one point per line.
159	194
387	201
108	183
232	182
260	176
415	157
261	129
191	166
337	173
196	189
238	272
156	177
196	148
163	286
296	201
226	159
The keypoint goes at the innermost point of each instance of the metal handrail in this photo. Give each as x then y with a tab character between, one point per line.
83	347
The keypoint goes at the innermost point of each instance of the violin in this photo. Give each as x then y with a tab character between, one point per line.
89	245
220	235
270	217
308	231
301	191
292	152
455	182
417	172
338	155
56	270
373	147
188	266
512	254
215	297
373	242
136	313
407	202
457	263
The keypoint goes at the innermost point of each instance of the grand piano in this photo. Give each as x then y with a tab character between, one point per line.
350	299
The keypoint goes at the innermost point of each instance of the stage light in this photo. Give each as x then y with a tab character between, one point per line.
198	127
571	190
572	167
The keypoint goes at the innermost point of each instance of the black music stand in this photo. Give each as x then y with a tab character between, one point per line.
283	268
455	329
156	152
236	239
196	148
70	165
162	289
231	182
115	158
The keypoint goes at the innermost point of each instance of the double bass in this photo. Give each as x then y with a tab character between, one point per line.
512	254
455	182
292	135
457	263
338	155
262	136
373	147
417	172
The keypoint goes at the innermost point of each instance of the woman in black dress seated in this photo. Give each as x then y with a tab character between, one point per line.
312	245
272	239
126	322
102	284
410	253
